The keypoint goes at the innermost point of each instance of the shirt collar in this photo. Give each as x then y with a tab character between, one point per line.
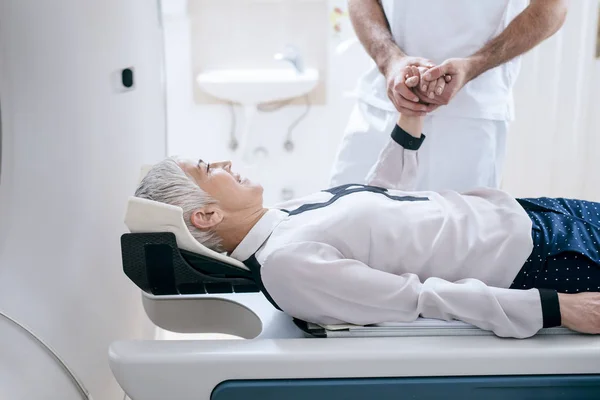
258	235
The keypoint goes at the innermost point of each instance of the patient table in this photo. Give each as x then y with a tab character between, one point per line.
188	288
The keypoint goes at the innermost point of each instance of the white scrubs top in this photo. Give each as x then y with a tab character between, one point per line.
442	29
364	255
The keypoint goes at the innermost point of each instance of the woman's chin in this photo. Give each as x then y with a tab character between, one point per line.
248	183
258	187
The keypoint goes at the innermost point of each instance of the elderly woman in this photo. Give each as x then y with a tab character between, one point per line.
368	254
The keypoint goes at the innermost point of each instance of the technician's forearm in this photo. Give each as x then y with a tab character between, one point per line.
536	23
373	31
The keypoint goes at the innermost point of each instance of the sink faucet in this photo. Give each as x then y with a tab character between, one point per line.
291	55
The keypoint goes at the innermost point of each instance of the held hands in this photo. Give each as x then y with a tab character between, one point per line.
429	87
402	95
455	71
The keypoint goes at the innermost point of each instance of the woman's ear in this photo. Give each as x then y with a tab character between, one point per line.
207	218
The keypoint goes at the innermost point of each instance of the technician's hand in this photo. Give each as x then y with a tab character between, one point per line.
580	312
455	71
404	99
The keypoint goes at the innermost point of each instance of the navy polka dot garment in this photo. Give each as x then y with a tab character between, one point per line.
566	253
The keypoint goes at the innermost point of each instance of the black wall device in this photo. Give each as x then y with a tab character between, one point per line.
127	78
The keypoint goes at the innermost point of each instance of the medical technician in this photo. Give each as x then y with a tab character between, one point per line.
476	48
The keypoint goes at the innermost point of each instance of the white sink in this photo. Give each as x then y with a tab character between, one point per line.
255	86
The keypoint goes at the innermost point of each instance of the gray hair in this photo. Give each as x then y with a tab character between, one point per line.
167	183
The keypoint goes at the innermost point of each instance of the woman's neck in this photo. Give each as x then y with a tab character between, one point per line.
235	227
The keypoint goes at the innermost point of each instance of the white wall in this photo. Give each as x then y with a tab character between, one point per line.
71	157
552	145
203	130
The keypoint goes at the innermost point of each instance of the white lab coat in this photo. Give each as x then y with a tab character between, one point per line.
367	258
467	138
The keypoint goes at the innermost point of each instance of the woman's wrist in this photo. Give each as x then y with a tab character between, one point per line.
412	125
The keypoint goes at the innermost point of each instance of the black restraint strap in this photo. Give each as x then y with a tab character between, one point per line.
254	267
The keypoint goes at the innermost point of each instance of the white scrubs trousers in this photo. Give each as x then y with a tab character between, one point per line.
459	154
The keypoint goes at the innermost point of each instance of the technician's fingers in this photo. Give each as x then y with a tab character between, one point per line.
403	90
439	87
431	89
411	106
423	84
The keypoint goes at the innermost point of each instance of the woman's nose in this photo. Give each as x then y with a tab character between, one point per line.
226	165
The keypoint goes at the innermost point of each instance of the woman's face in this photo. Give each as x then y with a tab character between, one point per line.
232	192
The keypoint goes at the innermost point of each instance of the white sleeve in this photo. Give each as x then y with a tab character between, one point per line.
398	162
314	282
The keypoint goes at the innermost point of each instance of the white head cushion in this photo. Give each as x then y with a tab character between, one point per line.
147	216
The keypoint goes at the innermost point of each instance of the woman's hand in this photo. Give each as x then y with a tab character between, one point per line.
412	124
412	77
580	312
